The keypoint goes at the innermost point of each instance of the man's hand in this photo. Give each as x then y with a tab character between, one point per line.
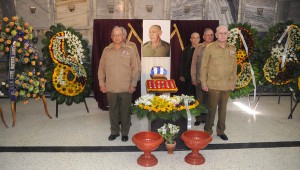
205	88
131	89
181	78
103	89
195	83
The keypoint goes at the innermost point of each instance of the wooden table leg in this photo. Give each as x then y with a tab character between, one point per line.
45	106
2	117
13	111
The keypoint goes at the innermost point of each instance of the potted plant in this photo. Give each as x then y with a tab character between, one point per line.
169	132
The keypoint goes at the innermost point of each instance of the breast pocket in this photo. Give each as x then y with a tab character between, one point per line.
215	60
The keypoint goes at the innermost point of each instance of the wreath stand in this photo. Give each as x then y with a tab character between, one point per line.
293	108
2	117
13	107
87	109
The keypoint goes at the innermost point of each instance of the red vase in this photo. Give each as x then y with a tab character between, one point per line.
195	140
147	142
170	147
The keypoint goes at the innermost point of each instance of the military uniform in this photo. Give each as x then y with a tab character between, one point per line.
184	70
162	50
118	71
195	75
218	73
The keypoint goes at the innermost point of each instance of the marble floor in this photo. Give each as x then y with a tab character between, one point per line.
260	139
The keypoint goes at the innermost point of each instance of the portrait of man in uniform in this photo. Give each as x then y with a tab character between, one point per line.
156	47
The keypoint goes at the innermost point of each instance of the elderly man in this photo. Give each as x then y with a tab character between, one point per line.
156	47
118	76
201	95
184	68
218	75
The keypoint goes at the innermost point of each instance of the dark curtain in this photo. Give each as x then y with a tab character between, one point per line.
101	39
8	8
186	28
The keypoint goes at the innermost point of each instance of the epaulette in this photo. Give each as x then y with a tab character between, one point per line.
147	43
210	44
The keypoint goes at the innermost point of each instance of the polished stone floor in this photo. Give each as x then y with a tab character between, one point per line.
260	139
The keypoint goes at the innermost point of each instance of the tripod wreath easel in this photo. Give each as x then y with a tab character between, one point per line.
13	107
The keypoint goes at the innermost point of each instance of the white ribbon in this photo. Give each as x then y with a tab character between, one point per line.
60	37
285	46
188	113
251	68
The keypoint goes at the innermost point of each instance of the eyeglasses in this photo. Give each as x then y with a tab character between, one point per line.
209	35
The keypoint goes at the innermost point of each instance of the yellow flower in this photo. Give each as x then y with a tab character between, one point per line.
5	19
14	18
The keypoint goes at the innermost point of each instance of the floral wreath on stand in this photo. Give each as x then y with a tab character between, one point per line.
283	42
68	73
244	84
15	38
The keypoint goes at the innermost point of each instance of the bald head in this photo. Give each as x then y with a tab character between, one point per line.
222	33
195	39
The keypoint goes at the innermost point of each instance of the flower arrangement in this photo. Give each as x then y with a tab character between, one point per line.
272	70
16	36
69	75
166	107
244	84
169	132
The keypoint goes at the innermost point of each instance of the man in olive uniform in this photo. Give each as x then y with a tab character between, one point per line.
184	67
118	76
156	47
218	75
201	95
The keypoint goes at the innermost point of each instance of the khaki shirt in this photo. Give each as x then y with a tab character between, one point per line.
118	69
196	62
137	55
135	50
218	67
162	50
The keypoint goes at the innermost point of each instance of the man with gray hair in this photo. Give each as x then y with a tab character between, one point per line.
201	95
218	75
118	76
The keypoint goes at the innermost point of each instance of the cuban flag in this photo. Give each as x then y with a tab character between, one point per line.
158	70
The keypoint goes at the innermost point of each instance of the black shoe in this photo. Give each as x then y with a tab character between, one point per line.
197	123
112	137
223	137
124	138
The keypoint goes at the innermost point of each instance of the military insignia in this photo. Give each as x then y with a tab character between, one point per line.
125	52
232	52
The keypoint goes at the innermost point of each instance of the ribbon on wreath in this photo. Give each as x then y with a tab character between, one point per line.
188	113
286	44
251	68
11	75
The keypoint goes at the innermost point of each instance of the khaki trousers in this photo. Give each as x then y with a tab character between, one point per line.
201	96
216	98
119	110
